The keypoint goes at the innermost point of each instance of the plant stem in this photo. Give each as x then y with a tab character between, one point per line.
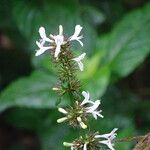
136	138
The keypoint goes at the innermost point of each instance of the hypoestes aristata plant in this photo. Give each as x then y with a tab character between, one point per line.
82	107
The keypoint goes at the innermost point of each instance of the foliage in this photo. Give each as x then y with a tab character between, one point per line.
112	56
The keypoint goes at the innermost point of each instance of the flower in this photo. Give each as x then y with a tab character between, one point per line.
93	141
77	115
42	48
76	36
54	42
86	98
40	44
108	138
78	60
94	105
59	40
44	38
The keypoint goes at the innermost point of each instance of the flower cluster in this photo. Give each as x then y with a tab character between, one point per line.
77	115
83	107
93	141
54	42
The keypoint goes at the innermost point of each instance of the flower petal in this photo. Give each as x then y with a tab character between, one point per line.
94	107
81	56
39	44
60	30
108	143
80	64
42	32
86	97
85	147
78	29
42	50
43	35
57	51
81	43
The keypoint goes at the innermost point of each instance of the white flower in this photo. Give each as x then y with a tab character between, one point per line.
93	142
110	135
108	138
76	36
97	113
42	33
86	98
93	108
59	40
78	60
108	143
56	41
41	44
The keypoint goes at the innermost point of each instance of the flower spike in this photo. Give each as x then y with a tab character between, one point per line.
91	140
77	115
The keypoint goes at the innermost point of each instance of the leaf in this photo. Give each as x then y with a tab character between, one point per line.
92	15
144	143
34	91
98	83
128	44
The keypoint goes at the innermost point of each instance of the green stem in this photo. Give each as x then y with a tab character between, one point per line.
69	69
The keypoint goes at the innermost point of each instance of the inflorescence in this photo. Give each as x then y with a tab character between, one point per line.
82	106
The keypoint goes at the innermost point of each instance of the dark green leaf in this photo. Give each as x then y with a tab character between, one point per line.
34	91
128	44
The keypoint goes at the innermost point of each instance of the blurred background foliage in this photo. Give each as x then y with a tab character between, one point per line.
116	39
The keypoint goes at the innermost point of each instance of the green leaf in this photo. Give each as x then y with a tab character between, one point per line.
128	44
95	80
34	91
98	82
